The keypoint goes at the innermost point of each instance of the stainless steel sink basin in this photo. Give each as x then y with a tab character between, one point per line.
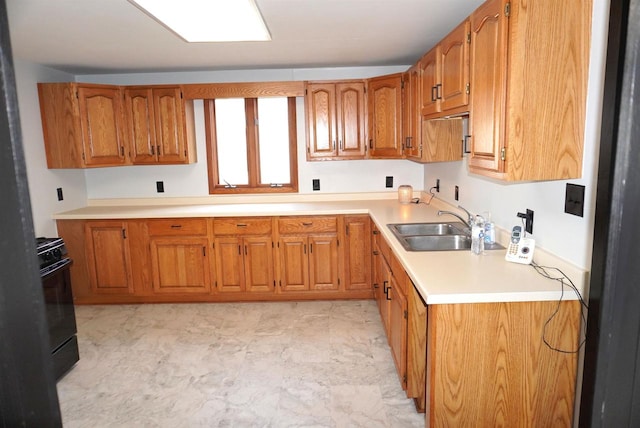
427	229
434	236
437	242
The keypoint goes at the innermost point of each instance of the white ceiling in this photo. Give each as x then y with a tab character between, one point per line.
114	36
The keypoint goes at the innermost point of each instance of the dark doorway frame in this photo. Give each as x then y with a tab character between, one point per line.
28	395
611	383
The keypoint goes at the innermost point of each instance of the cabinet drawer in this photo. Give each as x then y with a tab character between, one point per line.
177	226
307	224
242	226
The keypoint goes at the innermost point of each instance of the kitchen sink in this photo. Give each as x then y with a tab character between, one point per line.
427	229
437	242
435	236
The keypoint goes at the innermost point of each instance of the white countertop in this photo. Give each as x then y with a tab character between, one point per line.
441	277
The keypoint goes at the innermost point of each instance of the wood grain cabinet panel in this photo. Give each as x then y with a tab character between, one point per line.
527	113
180	265
336	120
108	257
244	254
416	348
489	365
357	248
398	315
160	125
384	96
441	141
82	125
412	113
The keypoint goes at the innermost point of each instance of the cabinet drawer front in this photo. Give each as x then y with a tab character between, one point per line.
177	226
308	224
242	226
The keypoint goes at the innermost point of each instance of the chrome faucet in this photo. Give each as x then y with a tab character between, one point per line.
467	222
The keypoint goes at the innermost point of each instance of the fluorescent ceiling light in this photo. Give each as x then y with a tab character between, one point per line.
209	20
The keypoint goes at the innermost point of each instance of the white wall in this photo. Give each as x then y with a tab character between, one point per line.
43	182
565	235
191	180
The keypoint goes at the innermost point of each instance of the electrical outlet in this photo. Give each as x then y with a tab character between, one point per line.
456	194
160	186
388	181
574	200
316	183
60	196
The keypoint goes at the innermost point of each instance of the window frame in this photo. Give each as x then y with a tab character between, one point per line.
253	151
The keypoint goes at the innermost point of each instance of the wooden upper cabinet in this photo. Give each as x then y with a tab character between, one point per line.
454	60
82	125
335	120
160	125
411	112
527	112
384	96
441	140
445	74
430	76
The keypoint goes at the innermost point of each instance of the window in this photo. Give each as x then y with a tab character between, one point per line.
251	145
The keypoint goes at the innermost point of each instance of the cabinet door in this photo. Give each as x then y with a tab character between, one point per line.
357	250
323	262
229	264
108	257
416	347
294	263
258	263
385	116
454	60
398	327
321	113
350	119
180	265
488	76
101	120
430	71
141	125
384	278
170	127
411	114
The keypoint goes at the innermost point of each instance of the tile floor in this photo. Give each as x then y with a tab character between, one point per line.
278	364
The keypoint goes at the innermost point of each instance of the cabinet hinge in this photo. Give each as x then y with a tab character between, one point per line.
306	92
338	242
204	251
308	150
503	154
404	378
272	245
83	158
469	37
507	9
338	281
347	229
185	153
213	246
124	233
402	84
406	314
468	89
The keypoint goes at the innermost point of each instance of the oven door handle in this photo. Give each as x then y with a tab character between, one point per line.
60	264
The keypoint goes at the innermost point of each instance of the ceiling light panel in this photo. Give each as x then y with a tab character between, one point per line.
209	20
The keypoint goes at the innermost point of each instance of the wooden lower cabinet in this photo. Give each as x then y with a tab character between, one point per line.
398	315
180	265
108	256
357	248
487	364
309	262
244	264
416	348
